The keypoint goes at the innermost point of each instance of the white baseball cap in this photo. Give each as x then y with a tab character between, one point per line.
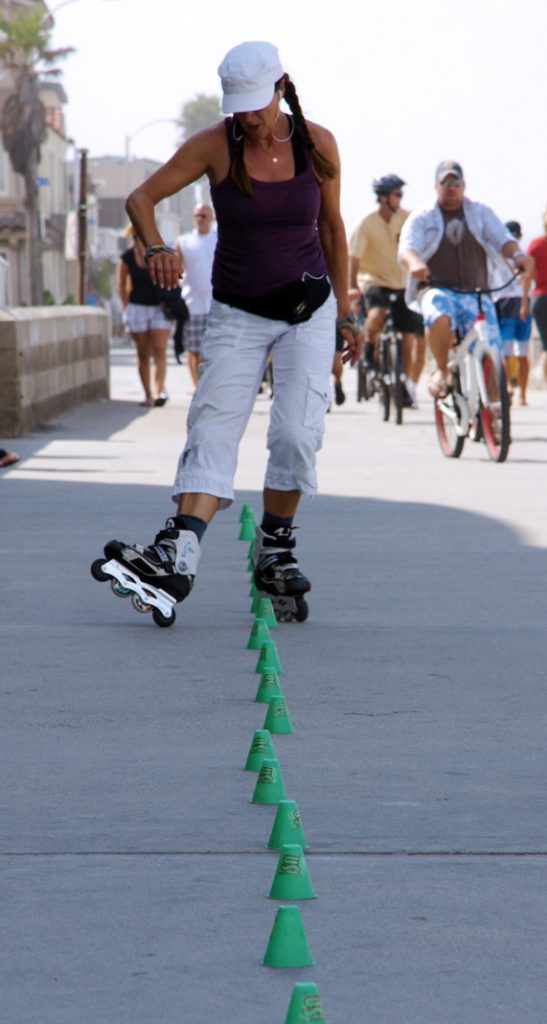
248	75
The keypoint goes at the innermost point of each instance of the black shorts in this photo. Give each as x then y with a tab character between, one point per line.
404	319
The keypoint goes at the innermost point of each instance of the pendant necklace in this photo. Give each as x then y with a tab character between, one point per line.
275	159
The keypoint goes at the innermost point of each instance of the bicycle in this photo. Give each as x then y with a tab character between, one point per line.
386	378
477	402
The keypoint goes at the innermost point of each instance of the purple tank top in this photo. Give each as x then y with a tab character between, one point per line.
267	240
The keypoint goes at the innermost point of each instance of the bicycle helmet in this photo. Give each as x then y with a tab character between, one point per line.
386	184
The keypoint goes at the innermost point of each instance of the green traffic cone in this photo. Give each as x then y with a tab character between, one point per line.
266	612
261	747
247	529
306	1004
287	827
268	686
268	657
291	879
252	547
246	512
254	603
288	944
259	634
270	788
277	717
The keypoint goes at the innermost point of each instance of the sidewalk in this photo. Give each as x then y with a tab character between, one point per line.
134	867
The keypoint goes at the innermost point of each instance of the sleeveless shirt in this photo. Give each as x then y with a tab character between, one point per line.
143	290
270	239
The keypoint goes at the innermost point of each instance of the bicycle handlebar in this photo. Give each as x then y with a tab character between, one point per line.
434	283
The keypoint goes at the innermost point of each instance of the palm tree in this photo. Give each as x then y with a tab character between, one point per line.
25	51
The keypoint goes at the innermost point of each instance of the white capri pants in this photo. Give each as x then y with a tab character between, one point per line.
235	350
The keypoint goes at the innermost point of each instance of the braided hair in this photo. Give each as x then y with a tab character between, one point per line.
322	166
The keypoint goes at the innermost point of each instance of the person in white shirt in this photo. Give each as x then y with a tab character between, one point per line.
450	241
197	249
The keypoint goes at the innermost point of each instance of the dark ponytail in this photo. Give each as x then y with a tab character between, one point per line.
323	167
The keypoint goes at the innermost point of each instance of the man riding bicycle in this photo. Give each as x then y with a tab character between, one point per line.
451	241
374	270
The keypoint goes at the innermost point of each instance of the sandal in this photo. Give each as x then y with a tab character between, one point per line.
7	458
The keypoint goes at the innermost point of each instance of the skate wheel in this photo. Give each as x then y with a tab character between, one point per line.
139	605
302	610
97	570
118	589
163	620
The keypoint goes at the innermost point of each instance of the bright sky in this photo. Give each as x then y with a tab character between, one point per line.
402	84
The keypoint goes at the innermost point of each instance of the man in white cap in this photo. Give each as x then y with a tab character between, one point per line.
450	240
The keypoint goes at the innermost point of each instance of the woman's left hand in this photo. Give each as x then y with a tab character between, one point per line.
165	269
348	326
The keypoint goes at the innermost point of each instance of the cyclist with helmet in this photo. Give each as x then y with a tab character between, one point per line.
375	272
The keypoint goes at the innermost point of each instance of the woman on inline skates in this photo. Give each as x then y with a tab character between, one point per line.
279	288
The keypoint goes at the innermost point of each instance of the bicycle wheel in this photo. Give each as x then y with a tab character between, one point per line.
395	371
495	418
361	380
385	391
447	421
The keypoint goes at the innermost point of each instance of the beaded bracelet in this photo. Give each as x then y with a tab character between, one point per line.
153	250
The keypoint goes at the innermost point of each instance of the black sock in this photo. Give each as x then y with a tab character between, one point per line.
271	523
193	523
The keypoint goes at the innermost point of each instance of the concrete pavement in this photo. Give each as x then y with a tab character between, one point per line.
134	869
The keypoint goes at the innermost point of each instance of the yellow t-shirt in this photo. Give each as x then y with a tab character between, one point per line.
374	243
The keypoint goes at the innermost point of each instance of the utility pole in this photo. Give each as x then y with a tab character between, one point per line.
82	226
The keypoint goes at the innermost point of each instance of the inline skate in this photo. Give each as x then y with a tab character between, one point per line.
155	577
277	576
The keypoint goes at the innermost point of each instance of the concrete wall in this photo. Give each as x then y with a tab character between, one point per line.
51	359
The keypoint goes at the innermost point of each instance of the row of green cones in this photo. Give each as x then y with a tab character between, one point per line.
288	943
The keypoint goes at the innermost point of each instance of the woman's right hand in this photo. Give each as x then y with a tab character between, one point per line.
420	271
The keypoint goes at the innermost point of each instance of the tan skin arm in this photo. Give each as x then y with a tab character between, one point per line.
333	238
415	265
353	271
204	153
178	251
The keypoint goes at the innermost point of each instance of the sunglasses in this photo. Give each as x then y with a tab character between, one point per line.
397	194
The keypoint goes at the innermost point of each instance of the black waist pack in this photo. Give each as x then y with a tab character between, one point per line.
293	303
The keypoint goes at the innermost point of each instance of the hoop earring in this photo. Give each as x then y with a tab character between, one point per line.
236	138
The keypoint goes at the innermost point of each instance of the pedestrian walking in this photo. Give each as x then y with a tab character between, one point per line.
196	250
145	320
538	251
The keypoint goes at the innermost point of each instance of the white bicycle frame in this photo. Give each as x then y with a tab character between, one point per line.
467	357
